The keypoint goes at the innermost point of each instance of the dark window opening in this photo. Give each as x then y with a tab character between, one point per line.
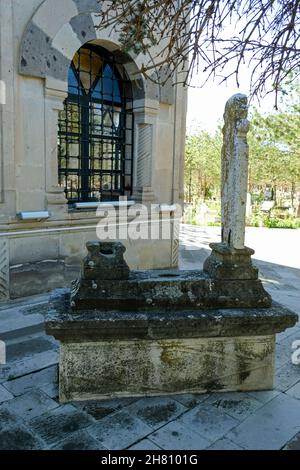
95	129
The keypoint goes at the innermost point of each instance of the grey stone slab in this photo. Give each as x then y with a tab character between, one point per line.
14	435
210	422
293	444
28	365
191	399
156	411
30	346
264	396
224	444
5	395
284	348
177	436
58	424
295	390
270	427
237	404
32	404
145	444
100	409
80	440
51	390
14	326
40	379
7	418
287	376
19	438
119	430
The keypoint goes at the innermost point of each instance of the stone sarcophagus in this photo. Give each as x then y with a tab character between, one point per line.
146	333
139	333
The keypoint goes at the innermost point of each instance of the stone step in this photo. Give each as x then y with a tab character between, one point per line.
14	324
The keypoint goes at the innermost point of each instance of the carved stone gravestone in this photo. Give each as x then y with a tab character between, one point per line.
140	333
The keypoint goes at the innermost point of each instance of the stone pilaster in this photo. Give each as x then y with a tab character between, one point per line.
56	93
4	270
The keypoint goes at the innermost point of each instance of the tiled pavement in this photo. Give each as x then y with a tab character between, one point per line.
32	418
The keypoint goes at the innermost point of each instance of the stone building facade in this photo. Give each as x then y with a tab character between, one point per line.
42	229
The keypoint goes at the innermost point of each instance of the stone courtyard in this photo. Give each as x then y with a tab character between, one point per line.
32	418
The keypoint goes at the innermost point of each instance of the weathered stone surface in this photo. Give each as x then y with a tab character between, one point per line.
119	431
224	444
145	444
55	426
209	422
235	154
14	435
28	365
229	263
238	405
40	379
269	427
32	404
177	436
156	412
94	325
165	366
4	394
99	409
81	440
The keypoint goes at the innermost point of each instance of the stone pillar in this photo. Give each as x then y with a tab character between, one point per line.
231	259
145	127
4	270
55	94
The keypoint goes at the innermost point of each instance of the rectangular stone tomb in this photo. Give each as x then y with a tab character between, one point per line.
113	353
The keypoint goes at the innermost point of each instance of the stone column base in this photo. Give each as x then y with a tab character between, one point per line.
229	263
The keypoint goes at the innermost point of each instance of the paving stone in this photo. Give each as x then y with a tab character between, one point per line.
284	349
14	435
224	444
270	427
100	409
51	390
30	346
16	325
119	430
210	422
145	444
35	380
294	443
19	437
156	411
7	418
32	404
264	396
28	365
287	376
191	399
294	391
238	405
81	440
177	436
5	395
58	424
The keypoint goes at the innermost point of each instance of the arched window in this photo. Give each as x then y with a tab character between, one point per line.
95	131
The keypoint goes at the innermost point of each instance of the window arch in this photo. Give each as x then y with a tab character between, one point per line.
95	129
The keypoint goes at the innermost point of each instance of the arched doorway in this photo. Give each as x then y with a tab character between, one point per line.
95	129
